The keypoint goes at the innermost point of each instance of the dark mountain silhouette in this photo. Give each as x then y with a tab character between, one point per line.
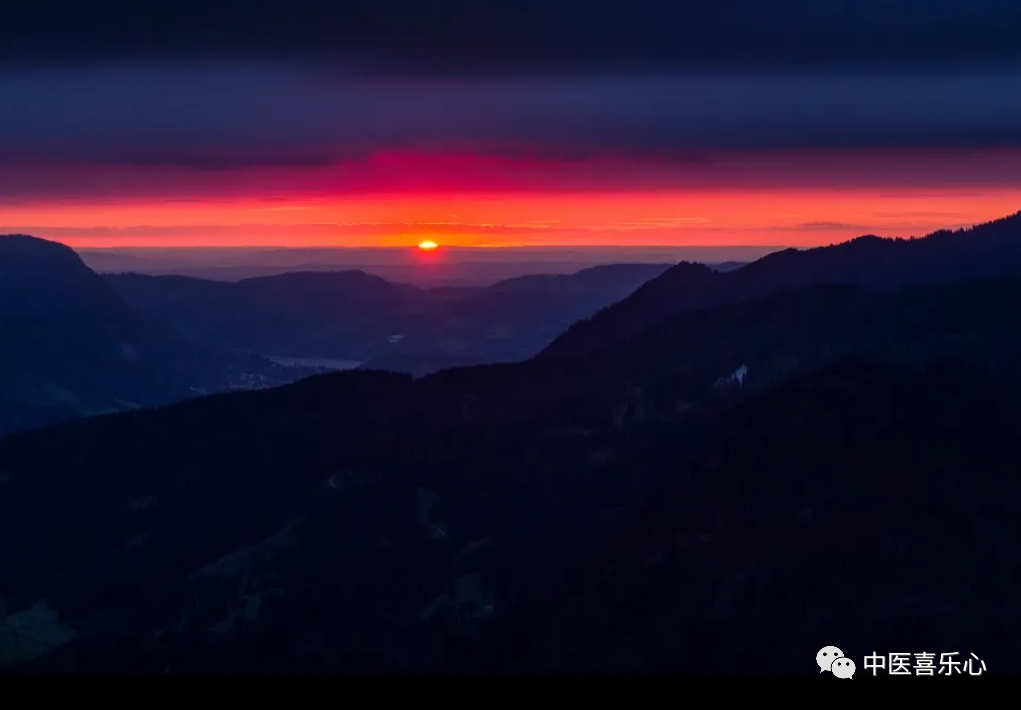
863	504
72	346
353	316
275	315
47	279
869	261
617	507
509	321
798	329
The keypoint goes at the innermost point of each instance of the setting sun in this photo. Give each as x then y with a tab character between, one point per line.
428	246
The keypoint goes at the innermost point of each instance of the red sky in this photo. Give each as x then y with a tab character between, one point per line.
399	199
245	153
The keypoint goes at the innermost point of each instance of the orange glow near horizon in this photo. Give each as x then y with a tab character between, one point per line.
789	199
690	218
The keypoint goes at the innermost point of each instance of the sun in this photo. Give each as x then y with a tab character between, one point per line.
427	245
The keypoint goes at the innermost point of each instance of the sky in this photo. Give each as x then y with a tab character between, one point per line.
524	123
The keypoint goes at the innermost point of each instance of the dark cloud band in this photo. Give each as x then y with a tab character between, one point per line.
218	116
525	37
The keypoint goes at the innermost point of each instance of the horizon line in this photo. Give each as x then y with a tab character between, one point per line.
441	247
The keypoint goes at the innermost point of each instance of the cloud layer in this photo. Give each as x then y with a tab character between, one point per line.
215	116
524	37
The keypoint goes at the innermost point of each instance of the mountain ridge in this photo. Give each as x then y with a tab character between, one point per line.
73	347
982	250
355	316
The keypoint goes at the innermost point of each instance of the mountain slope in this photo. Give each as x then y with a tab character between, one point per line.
798	329
861	506
509	321
274	315
44	278
363	509
72	347
984	250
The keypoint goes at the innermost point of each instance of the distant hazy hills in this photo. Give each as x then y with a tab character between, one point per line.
71	346
984	250
449	267
351	315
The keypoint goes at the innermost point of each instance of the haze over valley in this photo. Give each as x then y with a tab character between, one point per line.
452	266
